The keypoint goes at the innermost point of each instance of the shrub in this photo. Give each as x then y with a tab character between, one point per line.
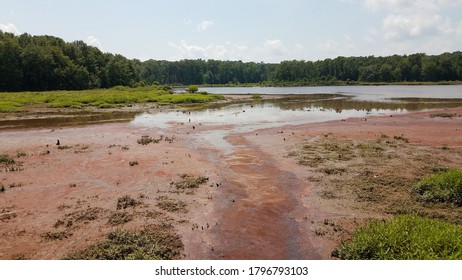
6	159
120	218
407	238
442	187
193	89
153	243
171	205
188	181
126	201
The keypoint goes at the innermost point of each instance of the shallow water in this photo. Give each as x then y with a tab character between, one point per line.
293	109
299	105
290	110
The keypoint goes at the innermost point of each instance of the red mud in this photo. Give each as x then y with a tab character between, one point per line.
257	203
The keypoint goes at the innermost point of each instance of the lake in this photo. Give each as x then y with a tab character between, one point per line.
372	93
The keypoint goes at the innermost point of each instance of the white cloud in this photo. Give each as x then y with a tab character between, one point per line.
274	47
268	51
399	26
10	28
93	41
204	25
459	29
227	51
337	47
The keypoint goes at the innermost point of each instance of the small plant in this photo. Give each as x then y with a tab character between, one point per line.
20	154
6	159
188	181
145	140
405	237
59	235
64	147
126	201
443	115
402	138
442	187
334	170
133	163
171	205
120	218
256	96
151	243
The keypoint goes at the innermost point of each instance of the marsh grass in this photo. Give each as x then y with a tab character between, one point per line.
119	218
152	243
189	182
126	201
6	159
405	237
444	187
57	235
379	175
171	205
76	219
102	98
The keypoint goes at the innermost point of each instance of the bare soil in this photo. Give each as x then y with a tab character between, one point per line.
291	192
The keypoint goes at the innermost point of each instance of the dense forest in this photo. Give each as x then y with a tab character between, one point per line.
37	63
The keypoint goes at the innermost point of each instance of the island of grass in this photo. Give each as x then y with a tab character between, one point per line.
101	98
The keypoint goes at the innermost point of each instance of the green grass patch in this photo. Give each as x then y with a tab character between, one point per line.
102	98
405	238
152	243
444	187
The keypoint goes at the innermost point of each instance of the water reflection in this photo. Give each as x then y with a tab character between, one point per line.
273	112
291	109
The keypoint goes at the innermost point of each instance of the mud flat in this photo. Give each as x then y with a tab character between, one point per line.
264	192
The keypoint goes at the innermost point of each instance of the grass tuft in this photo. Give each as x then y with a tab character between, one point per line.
405	237
6	159
443	187
188	181
126	201
152	243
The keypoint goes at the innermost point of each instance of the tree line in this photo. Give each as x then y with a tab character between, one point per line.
37	63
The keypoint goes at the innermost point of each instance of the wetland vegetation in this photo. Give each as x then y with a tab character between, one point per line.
100	98
415	189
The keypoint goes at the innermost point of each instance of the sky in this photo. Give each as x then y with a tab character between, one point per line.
247	30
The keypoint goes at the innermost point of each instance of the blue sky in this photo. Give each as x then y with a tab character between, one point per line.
248	30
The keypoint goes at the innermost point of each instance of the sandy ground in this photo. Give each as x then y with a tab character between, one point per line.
258	203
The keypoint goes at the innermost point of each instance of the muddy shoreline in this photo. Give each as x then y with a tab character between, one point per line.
258	202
